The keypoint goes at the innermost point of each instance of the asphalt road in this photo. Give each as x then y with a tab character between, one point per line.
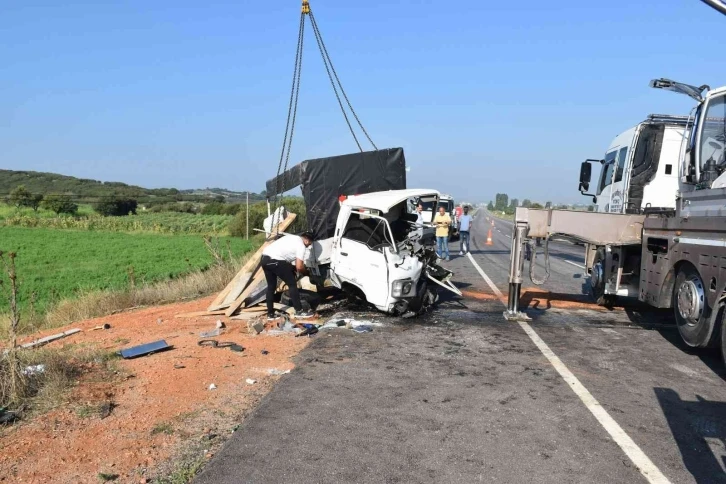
460	395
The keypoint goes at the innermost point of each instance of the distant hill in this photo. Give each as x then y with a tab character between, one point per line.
85	190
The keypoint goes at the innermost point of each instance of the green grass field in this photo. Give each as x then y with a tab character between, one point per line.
60	264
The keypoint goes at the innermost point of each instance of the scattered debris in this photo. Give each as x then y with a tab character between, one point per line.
105	409
363	328
103	326
48	339
211	333
212	386
33	370
310	329
8	417
255	327
275	371
213	343
220	324
265	352
250	381
179	367
145	349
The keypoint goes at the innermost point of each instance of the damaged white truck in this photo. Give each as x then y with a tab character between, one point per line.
368	241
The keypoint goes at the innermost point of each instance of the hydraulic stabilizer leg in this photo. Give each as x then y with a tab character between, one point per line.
516	270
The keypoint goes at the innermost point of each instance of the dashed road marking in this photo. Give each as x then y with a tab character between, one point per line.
646	467
574	264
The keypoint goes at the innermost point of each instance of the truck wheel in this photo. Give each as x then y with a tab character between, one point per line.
690	307
597	280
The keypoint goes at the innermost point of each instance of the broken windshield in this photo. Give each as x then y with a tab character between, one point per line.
368	230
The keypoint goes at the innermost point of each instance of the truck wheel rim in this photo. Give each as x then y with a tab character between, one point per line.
690	300
596	278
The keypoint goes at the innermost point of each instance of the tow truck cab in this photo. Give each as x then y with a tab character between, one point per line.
640	167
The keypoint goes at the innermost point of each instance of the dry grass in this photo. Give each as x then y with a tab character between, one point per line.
43	389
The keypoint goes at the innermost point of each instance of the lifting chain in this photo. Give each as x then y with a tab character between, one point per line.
295	94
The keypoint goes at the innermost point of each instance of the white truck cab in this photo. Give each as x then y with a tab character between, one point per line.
379	252
640	167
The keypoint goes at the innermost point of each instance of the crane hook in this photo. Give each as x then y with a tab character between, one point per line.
305	7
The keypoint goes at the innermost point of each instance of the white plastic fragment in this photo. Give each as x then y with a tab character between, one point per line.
250	381
212	386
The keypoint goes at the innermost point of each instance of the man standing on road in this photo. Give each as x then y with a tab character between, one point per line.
442	222
282	259
464	227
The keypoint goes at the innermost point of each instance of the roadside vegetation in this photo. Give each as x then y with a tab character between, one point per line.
505	207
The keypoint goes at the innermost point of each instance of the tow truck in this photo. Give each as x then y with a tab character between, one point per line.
670	256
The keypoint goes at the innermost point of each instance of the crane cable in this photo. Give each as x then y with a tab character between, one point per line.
295	94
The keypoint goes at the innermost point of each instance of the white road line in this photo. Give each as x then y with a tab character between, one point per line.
494	288
576	265
646	467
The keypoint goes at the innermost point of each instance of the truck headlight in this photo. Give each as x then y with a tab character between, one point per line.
402	287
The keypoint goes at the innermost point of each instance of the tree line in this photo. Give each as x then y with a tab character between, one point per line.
502	203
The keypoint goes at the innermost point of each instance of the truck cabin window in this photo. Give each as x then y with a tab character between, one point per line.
606	174
621	164
713	134
372	232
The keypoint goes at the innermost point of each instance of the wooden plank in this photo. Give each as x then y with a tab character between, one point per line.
48	339
252	287
246	273
254	309
246	314
199	314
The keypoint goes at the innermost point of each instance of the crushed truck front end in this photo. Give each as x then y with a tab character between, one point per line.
382	253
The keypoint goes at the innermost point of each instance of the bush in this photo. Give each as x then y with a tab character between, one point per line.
179	207
258	213
233	208
214	208
116	207
59	204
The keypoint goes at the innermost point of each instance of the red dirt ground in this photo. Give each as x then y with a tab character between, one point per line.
61	446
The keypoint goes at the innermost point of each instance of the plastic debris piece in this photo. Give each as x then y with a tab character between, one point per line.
212	386
265	352
363	328
250	381
210	334
33	370
275	371
236	348
220	324
145	349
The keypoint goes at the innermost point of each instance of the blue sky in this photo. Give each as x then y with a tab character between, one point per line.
483	96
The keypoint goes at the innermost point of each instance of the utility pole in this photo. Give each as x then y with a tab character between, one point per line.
248	215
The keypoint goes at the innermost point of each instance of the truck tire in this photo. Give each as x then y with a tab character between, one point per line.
691	310
597	281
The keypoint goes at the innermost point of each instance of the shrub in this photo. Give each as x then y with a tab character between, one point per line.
21	197
233	208
213	208
60	204
116	207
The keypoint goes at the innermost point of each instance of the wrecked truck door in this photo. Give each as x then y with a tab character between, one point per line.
359	256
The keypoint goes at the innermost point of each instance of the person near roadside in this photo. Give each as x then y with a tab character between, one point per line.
419	216
283	258
464	227
442	222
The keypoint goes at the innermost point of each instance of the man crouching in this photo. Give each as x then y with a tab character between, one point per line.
282	259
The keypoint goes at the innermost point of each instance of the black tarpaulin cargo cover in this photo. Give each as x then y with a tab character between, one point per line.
323	180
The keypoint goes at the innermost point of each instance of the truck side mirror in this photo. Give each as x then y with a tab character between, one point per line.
585	175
